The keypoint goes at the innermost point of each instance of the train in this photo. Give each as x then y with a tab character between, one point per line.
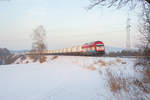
95	48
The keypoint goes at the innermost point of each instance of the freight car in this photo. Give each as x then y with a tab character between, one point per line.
87	49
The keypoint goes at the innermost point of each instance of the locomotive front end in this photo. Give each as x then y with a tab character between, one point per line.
99	47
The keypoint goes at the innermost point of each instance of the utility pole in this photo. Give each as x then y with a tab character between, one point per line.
128	42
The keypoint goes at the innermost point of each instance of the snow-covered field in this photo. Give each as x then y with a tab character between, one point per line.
70	78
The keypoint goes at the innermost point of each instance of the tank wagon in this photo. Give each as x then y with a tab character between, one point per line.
87	49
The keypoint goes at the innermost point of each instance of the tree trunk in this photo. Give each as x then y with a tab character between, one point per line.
148	1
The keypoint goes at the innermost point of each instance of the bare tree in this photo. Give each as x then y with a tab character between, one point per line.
116	3
39	43
144	29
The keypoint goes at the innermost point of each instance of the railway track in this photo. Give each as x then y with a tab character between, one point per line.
98	55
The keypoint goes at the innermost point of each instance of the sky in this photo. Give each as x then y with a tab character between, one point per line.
67	23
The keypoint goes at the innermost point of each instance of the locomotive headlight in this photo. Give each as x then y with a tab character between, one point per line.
102	48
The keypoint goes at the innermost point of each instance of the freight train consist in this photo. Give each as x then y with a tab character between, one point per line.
89	49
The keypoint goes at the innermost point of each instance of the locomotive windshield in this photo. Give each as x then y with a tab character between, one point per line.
99	45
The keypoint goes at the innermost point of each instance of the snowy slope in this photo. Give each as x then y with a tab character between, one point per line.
64	78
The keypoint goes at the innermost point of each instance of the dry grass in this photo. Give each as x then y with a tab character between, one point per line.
103	63
123	63
43	59
23	57
27	62
118	60
144	64
12	58
140	85
129	86
116	83
144	83
40	58
146	80
33	58
54	57
91	67
17	63
111	63
147	76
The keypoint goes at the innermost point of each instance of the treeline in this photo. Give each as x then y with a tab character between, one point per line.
4	52
124	53
6	57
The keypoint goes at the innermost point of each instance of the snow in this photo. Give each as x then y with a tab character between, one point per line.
64	78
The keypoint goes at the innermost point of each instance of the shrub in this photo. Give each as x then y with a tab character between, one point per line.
116	83
118	60
92	68
111	63
54	57
123	62
27	62
103	63
12	58
43	59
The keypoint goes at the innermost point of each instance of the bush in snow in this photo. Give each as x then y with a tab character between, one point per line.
54	57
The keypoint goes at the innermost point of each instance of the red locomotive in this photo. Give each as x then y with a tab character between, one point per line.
93	48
